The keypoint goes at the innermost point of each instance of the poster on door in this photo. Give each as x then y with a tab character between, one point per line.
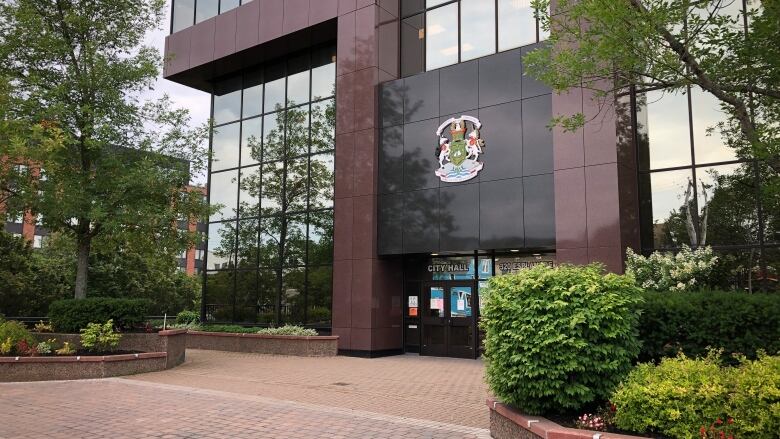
437	300
460	302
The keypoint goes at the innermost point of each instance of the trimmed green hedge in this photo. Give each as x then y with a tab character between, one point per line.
72	315
557	339
692	322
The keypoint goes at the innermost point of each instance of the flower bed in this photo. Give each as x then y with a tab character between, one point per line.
300	346
157	351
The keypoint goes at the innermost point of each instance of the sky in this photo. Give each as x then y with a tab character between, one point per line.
196	101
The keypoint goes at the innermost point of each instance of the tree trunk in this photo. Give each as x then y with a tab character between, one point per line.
82	266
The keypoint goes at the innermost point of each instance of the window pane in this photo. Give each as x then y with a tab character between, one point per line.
249	191
321	237
323	81
727	199
432	3
225	147
409	7
219	296
253	101
297	137
516	24
273	136
770	199
667	129
269	241
246	297
269	292
412	45
771	279
251	136
227	101
224	190
183	14
478	22
222	245
296	184
707	113
271	192
441	32
293	295
323	126
321	189
298	88
295	241
320	293
226	5
274	95
247	243
670	216
206	9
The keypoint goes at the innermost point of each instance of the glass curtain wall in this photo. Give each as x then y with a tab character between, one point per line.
270	244
438	33
185	13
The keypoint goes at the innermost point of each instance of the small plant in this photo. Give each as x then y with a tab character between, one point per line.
45	347
289	330
98	337
187	317
43	327
589	421
25	348
718	430
16	332
66	349
686	270
6	346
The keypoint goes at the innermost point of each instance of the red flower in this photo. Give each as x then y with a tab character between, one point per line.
719	421
703	431
730	420
613	408
722	435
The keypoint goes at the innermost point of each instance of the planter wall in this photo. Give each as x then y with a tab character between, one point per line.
318	346
508	423
172	342
14	369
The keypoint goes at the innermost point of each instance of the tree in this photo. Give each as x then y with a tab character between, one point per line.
113	165
608	46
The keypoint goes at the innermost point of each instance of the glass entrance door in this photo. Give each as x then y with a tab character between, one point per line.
448	319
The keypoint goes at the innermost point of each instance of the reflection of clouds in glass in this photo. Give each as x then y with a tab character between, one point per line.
251	134
478	28
668	189
516	24
441	43
323	80
221	245
274	94
225	147
667	129
253	101
227	107
707	113
223	191
298	88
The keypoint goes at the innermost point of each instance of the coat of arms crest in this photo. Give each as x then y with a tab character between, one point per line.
459	155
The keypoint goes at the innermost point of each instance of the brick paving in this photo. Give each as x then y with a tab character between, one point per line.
231	395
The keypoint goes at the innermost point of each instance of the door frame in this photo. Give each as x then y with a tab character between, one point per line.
426	321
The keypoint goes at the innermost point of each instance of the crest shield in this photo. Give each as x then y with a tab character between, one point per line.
459	155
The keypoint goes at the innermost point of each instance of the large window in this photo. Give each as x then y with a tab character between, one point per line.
697	189
270	244
188	12
438	33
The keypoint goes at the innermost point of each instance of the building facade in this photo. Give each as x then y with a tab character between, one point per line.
377	161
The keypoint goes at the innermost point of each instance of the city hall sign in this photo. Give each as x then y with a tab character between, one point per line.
459	154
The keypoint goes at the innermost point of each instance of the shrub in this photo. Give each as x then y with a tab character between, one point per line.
559	338
187	317
692	322
98	337
45	347
73	314
289	330
13	332
686	270
680	396
66	349
43	327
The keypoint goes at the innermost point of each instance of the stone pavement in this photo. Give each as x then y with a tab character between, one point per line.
230	395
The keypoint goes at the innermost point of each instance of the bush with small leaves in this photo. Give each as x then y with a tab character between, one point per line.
187	317
98	337
12	333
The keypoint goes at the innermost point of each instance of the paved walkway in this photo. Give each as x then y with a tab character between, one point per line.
230	395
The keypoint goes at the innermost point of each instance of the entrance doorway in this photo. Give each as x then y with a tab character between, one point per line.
448	319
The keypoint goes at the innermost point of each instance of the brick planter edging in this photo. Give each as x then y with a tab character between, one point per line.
506	423
301	346
16	369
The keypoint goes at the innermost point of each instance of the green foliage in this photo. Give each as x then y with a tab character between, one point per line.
71	315
186	317
43	327
66	349
682	271
681	395
45	347
559	338
289	330
97	337
692	322
229	328
13	332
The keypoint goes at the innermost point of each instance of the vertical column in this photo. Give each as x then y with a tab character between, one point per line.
366	290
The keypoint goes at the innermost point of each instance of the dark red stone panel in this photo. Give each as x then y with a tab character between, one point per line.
362	287
271	19
385	338
364	227
179	51
365	98
571	229
603	212
342	293
248	25
322	10
346	6
345	165
365	37
225	35
611	257
387	43
342	228
390	6
345	103
345	336
568	147
361	339
364	3
600	133
365	156
202	43
345	44
296	15
576	256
